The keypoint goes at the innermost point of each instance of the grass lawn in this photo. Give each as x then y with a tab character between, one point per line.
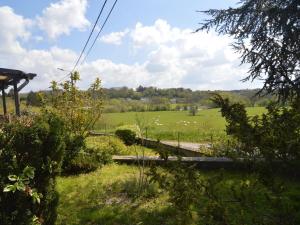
208	125
108	196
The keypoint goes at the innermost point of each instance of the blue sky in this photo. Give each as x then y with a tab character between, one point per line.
144	42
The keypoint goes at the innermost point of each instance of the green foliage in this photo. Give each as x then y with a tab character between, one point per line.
109	196
128	134
98	152
87	161
155	99
265	35
36	142
111	145
114	146
274	135
218	199
80	110
74	144
34	99
22	182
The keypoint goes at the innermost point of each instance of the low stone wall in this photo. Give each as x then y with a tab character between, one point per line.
94	134
199	162
158	146
168	149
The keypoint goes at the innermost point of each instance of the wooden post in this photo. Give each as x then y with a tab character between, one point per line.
17	99
4	102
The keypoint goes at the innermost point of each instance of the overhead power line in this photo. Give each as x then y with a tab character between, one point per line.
90	49
91	33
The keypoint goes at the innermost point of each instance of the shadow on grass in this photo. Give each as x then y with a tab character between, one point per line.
117	214
120	203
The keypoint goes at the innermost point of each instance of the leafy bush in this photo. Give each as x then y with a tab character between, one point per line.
273	136
80	110
221	198
34	99
111	145
86	162
95	155
128	134
74	144
36	142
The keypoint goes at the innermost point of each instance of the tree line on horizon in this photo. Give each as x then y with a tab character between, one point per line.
124	99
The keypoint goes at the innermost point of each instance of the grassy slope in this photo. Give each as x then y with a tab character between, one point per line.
165	125
108	196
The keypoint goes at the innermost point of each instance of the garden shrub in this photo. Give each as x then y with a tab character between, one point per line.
79	110
83	163
100	155
117	147
36	142
111	145
74	144
225	199
95	155
128	134
272	136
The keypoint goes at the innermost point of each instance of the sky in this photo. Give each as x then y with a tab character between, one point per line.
148	43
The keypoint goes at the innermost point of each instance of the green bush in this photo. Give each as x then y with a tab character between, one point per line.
272	136
38	143
95	155
112	145
74	144
83	163
79	110
128	134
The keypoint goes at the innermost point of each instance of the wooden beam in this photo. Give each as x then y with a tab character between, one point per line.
17	99
4	102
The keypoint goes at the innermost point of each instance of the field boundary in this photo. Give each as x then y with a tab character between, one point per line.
199	162
169	148
161	146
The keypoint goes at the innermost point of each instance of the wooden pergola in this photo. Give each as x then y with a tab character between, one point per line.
9	77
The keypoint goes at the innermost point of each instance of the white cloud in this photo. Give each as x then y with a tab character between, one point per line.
114	37
13	28
160	33
61	17
180	57
173	58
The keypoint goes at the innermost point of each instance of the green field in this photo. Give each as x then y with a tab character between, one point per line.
208	125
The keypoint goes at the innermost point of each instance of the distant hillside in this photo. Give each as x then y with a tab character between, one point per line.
122	99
